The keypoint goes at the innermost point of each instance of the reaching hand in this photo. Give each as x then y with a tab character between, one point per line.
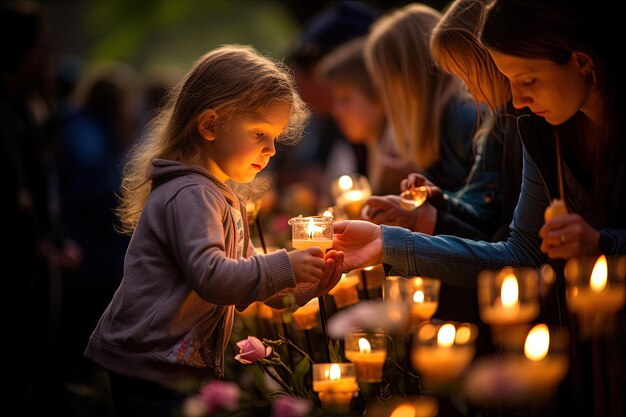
436	196
361	243
308	264
569	236
387	210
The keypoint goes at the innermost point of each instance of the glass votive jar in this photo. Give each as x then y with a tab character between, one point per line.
420	294
311	231
367	350
350	193
413	197
441	352
595	292
335	384
345	293
305	317
508	296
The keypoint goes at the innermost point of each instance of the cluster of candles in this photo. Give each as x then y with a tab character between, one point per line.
535	357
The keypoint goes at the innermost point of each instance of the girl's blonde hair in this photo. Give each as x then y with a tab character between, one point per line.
455	46
235	81
413	90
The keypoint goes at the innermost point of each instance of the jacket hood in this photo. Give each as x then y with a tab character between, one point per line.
164	170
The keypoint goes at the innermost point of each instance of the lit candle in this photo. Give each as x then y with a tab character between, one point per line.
537	369
345	293
424	293
305	317
350	194
413	198
335	384
597	296
312	231
443	359
368	352
507	307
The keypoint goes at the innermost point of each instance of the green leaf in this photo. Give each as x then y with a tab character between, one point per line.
299	375
334	349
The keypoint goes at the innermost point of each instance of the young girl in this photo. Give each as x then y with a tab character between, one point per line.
190	260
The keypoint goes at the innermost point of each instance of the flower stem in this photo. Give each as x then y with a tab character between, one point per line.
303	353
275	377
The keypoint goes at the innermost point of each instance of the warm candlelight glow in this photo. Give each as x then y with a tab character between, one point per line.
345	182
445	337
311	228
599	275
364	346
334	372
418	297
537	343
463	335
327	213
510	291
404	410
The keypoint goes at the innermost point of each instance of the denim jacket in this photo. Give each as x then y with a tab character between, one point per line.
458	261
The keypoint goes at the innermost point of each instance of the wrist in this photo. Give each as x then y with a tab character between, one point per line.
427	219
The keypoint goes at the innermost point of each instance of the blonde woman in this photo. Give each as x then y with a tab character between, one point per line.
432	117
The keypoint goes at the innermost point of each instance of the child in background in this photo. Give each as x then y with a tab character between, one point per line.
357	109
190	260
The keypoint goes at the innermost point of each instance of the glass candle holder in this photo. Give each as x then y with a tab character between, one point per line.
311	231
335	384
508	296
527	373
305	317
350	193
413	197
367	350
420	294
441	352
345	293
595	292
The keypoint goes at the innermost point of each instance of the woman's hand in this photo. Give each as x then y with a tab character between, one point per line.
436	196
569	236
361	243
308	264
387	210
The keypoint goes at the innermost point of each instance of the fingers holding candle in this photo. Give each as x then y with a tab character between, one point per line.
307	266
361	243
567	236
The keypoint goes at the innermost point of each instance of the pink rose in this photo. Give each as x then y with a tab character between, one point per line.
220	395
286	406
251	350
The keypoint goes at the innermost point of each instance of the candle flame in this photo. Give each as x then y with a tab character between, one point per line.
345	182
445	337
369	268
418	297
599	275
537	343
364	346
335	372
404	410
327	213
510	291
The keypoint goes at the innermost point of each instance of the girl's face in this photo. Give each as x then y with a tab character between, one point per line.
245	147
359	118
555	92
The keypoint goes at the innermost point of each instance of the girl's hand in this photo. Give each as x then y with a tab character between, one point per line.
361	243
332	272
387	210
569	236
308	264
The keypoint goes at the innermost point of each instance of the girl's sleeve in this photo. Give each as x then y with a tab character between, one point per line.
195	231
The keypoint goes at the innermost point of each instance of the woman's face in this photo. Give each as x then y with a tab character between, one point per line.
553	91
